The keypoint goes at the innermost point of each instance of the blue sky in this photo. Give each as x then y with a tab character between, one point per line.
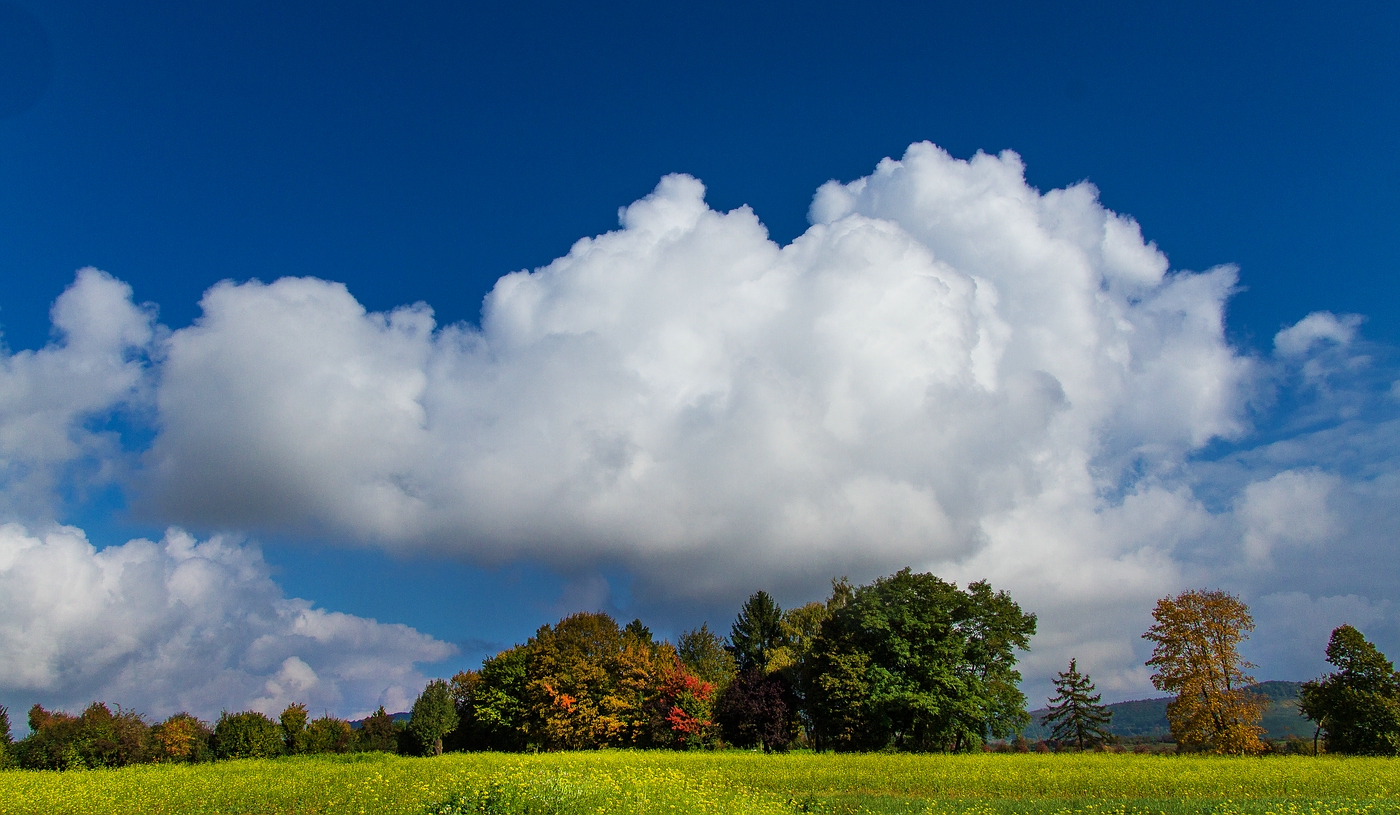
420	154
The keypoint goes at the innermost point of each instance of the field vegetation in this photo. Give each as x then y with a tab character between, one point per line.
627	782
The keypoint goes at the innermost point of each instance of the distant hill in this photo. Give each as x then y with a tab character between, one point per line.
356	724
1147	718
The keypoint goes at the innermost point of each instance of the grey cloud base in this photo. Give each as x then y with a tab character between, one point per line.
949	370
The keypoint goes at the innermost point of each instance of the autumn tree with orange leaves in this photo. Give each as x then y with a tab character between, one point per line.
1195	638
591	684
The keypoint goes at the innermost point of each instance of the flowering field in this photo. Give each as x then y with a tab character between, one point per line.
656	782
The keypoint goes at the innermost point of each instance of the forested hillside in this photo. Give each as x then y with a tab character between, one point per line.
1147	718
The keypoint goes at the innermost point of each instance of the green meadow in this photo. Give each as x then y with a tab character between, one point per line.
623	782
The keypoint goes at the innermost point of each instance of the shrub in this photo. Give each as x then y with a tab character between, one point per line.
377	733
97	738
182	737
328	735
246	735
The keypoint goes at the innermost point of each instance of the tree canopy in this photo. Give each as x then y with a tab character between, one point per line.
912	662
1357	708
1195	639
433	716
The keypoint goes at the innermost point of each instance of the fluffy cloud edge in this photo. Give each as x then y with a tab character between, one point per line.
183	624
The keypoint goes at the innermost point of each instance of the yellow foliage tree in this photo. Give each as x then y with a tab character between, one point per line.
1195	638
179	738
589	683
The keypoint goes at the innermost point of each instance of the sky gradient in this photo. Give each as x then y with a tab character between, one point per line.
462	318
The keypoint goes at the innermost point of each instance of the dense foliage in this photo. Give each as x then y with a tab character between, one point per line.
6	740
1357	708
433	717
914	663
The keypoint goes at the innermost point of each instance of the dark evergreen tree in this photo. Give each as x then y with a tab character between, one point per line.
757	631
1357	709
1075	714
636	629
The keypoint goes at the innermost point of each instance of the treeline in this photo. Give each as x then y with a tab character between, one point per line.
1217	707
101	737
908	662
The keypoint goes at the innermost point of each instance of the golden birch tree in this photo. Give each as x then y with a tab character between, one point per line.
1195	654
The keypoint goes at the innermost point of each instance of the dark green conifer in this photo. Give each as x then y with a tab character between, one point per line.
1075	714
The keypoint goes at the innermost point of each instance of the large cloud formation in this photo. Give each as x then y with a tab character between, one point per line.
949	369
185	625
944	346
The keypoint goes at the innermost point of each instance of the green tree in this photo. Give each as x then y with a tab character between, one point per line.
756	632
1074	713
492	703
377	733
327	735
703	652
108	739
293	722
1195	651
247	735
433	716
1356	708
914	663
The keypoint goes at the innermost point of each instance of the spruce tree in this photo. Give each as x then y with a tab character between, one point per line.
1075	713
757	630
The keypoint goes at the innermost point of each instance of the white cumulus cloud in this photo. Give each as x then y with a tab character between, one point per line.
945	347
96	362
185	625
1317	327
949	370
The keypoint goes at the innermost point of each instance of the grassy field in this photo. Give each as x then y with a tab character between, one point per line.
627	783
